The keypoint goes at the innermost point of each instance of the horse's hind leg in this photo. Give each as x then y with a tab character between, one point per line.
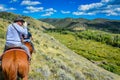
23	71
10	74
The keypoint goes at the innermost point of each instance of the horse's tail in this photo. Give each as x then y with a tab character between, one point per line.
9	66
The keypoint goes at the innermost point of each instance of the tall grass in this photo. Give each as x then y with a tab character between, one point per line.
2	34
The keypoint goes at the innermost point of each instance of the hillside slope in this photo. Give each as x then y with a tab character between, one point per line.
54	61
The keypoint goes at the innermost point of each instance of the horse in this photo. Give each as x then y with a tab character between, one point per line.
15	63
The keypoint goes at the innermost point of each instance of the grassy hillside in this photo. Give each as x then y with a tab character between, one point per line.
3	24
99	53
54	61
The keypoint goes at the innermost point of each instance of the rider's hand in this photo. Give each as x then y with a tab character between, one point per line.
25	24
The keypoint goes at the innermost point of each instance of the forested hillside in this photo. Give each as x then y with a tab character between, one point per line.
82	24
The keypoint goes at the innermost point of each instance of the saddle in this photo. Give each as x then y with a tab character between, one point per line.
8	50
13	48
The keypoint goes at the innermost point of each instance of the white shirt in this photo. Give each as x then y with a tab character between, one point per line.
12	36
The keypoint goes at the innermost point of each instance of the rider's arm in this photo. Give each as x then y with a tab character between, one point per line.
22	30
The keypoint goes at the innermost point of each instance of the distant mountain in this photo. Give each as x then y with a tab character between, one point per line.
99	23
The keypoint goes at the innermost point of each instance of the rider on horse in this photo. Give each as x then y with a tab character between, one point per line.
14	35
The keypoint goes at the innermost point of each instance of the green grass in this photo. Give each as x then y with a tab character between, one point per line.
2	33
103	55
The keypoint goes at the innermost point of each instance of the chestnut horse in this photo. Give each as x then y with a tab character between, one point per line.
15	63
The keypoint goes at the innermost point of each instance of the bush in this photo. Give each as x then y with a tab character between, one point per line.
108	38
111	68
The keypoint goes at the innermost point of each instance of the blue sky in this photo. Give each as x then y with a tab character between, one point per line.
89	9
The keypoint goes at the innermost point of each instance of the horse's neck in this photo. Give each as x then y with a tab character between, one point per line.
28	44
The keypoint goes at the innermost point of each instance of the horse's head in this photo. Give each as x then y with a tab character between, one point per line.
29	45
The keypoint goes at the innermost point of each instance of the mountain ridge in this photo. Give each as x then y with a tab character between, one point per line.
98	23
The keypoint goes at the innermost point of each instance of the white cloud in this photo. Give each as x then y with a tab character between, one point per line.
12	8
112	14
50	10
65	12
91	13
47	14
2	8
27	2
111	10
34	9
90	6
117	9
83	13
105	7
78	13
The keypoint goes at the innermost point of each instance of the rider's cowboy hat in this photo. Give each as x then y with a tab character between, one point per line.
19	19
